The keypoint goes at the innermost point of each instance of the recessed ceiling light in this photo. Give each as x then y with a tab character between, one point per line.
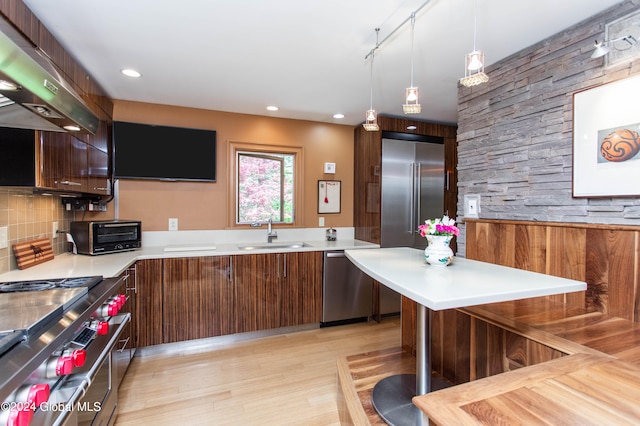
412	127
272	108
7	85
130	73
338	115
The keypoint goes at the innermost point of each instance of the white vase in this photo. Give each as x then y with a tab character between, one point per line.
438	251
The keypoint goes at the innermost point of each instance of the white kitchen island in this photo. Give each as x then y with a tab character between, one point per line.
463	283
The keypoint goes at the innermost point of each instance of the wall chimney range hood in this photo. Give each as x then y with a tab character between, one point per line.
33	94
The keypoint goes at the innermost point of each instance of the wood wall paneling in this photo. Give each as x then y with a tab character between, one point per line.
610	260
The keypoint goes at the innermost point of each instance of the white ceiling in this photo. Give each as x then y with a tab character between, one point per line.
305	56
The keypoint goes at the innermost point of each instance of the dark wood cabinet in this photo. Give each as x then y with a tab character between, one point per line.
63	163
197	298
148	320
180	299
277	290
257	291
130	290
301	289
57	160
99	179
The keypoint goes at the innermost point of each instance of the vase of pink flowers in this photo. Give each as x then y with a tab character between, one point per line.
439	233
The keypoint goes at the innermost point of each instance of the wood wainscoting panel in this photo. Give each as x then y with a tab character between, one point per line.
610	256
606	257
530	248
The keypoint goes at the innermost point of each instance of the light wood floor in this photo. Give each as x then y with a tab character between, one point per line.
287	379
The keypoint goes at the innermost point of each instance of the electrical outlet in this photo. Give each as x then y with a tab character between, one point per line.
471	205
173	224
4	237
54	229
321	221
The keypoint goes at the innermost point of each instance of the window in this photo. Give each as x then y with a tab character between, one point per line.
265	183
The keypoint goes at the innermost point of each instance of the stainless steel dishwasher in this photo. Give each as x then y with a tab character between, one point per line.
346	291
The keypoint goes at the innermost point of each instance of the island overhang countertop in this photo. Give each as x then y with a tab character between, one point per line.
463	283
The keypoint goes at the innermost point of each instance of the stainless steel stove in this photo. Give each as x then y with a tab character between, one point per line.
56	337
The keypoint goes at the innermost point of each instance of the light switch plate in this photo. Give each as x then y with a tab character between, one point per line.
54	229
330	168
4	237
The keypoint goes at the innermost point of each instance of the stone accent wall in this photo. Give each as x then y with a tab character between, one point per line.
515	137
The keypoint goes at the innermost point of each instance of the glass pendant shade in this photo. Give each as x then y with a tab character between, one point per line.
371	121
412	105
475	60
474	69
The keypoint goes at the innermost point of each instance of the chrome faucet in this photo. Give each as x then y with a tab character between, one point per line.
270	233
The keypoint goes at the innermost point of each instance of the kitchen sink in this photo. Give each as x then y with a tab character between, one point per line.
273	246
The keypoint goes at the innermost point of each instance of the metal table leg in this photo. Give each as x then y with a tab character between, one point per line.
392	395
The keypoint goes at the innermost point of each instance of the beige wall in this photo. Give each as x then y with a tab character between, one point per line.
200	205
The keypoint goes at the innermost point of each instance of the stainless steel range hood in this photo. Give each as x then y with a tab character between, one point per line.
33	94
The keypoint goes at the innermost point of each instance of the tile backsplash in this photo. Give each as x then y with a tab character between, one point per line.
28	216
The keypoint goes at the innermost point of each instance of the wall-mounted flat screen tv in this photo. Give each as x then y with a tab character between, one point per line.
144	151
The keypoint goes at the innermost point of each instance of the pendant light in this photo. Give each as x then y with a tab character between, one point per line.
474	61
371	121
412	105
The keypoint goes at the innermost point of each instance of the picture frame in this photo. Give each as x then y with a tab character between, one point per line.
329	194
606	140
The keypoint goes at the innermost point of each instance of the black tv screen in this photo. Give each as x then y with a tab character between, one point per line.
144	151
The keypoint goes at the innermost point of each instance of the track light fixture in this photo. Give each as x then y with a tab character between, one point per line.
603	47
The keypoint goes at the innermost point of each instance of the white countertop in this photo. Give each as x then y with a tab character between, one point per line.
463	283
111	265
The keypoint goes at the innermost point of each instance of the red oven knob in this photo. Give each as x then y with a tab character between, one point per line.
122	298
109	309
33	395
64	366
56	367
16	416
102	328
77	355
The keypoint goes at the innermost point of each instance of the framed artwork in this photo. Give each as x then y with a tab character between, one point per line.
329	196
606	140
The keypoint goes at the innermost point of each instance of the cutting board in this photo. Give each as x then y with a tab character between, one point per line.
32	253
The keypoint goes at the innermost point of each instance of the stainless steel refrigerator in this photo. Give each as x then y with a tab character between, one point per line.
412	187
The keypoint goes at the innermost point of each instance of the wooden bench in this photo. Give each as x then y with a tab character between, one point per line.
566	329
594	380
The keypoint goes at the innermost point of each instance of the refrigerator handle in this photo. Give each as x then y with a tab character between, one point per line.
418	194
412	218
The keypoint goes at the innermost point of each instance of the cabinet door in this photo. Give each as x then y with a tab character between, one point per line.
301	288
130	290
197	298
63	162
257	291
148	320
98	172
